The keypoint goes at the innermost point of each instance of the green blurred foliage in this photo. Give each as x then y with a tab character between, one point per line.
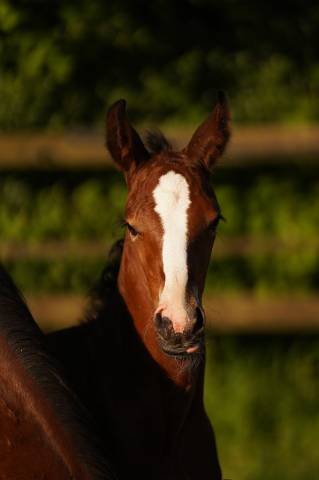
89	211
61	62
263	206
57	276
262	394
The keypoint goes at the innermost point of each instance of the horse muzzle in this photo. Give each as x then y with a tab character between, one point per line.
183	343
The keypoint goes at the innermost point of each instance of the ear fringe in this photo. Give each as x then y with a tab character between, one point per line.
114	135
211	137
122	141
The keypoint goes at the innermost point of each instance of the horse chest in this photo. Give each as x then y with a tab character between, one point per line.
144	420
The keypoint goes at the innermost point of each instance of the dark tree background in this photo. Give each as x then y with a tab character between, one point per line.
62	61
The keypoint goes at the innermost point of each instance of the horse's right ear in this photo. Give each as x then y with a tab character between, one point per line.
123	142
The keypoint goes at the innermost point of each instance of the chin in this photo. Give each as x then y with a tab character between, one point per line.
189	358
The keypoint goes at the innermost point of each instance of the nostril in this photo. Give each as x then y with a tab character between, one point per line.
199	320
163	325
158	320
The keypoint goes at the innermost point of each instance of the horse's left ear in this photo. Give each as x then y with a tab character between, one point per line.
123	142
211	137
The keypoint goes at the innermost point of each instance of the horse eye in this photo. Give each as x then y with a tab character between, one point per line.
134	233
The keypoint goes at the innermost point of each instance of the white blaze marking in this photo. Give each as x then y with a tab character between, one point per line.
171	203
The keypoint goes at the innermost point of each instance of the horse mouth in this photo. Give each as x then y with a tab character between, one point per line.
185	351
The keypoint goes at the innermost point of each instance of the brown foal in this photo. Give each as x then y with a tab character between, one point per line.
138	362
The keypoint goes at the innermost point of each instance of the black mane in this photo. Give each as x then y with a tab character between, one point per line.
156	142
27	343
103	291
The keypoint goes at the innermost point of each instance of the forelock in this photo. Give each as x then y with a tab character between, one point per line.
156	142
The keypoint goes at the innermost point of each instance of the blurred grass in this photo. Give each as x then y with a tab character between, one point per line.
263	274
279	205
262	396
287	209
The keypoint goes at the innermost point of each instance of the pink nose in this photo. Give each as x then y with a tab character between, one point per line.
168	324
177	317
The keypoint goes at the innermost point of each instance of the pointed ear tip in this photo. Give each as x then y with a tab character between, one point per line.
222	98
121	102
222	106
118	105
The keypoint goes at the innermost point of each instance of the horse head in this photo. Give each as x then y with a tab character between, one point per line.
171	216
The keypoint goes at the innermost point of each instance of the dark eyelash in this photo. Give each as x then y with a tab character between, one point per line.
214	224
131	229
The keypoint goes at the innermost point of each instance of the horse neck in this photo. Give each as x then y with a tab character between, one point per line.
135	294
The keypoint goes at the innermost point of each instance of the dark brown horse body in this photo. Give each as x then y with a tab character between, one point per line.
43	431
138	362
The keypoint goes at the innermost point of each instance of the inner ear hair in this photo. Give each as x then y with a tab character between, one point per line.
122	140
211	137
